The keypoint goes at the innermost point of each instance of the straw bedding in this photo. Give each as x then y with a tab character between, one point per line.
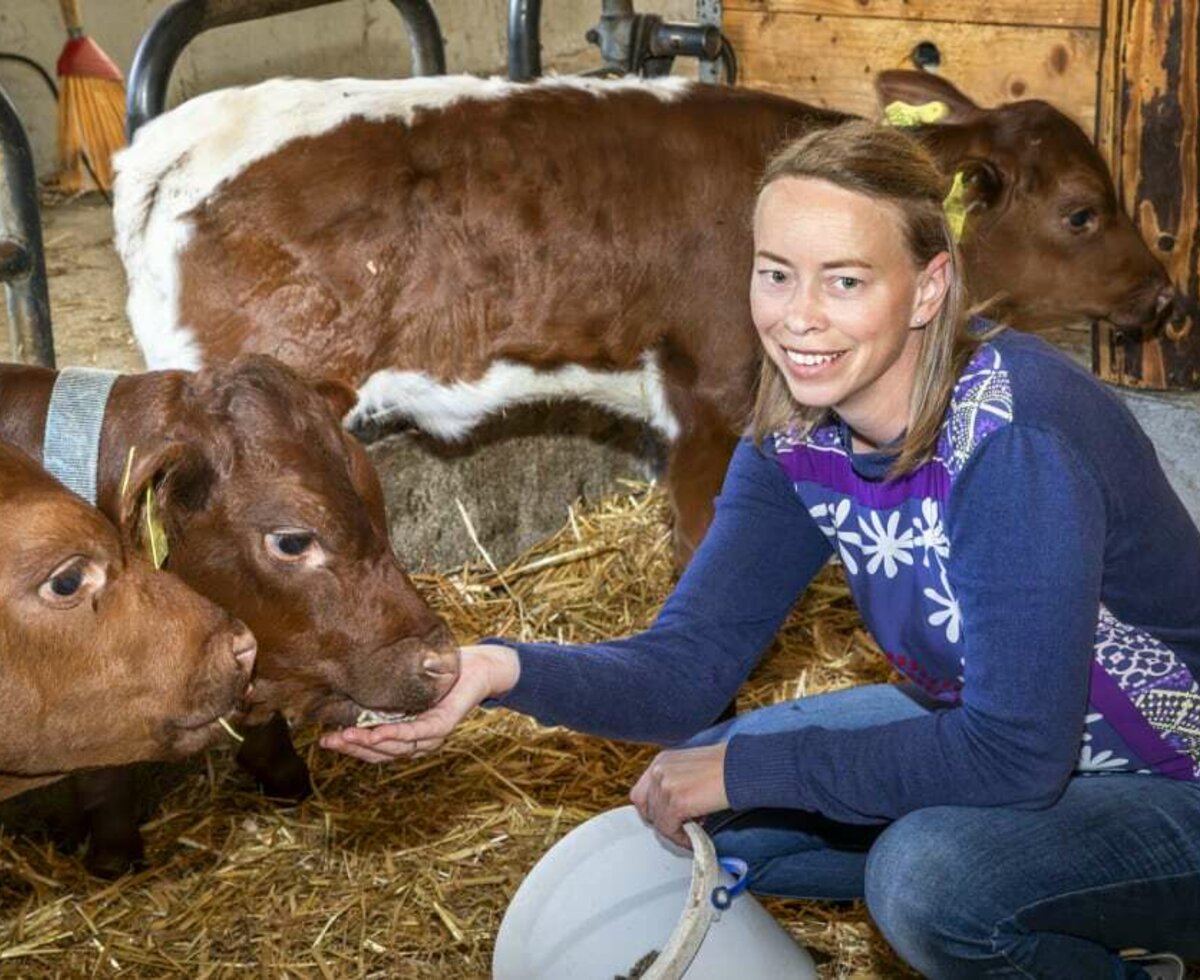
405	870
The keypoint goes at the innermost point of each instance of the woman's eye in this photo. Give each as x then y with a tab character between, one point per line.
776	277
1082	218
290	545
847	283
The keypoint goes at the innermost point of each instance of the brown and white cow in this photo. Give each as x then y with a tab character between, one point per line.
103	659
273	512
449	246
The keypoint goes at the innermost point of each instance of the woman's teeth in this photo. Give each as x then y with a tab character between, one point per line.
810	360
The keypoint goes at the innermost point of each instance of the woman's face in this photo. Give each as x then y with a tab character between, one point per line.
835	294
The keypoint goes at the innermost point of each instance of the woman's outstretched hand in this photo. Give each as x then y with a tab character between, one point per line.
681	785
484	672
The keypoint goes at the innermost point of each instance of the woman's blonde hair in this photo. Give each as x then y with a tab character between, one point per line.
888	166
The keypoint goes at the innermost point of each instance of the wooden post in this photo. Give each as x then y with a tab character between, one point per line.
1149	132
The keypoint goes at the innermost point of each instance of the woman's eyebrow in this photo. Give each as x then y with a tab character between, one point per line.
844	263
771	256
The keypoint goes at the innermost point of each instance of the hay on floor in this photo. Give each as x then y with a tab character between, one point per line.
405	870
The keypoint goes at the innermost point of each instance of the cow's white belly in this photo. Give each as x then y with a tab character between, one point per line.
450	411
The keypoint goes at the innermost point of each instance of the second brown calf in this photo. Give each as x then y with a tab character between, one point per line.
273	512
103	659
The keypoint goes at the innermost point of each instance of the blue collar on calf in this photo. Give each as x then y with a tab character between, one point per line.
71	446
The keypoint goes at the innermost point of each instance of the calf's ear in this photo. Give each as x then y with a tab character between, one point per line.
161	483
985	184
340	397
918	88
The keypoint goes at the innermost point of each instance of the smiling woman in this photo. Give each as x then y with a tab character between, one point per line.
988	500
855	293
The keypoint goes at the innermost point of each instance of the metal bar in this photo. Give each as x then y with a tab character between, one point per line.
710	12
154	60
524	40
424	37
21	226
180	23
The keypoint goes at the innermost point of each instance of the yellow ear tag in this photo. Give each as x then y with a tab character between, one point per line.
155	535
128	471
905	115
955	207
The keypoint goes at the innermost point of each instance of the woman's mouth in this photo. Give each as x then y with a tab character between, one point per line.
807	364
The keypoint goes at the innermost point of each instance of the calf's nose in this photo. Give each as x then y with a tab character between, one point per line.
239	643
442	669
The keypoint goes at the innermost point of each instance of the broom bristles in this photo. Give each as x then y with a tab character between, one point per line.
91	123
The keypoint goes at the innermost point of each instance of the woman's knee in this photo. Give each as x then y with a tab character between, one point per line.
919	891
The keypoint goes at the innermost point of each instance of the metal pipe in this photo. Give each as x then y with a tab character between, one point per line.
524	40
180	23
24	261
154	60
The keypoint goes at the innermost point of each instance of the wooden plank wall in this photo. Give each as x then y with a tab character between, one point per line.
1150	134
826	52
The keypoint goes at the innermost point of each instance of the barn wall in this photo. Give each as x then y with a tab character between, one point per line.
828	51
358	37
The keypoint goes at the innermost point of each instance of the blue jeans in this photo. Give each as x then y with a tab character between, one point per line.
986	891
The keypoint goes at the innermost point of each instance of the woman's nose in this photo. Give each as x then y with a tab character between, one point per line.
803	314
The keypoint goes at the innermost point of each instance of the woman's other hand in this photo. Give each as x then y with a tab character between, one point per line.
681	785
484	672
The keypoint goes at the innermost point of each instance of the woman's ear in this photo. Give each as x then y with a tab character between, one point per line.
933	283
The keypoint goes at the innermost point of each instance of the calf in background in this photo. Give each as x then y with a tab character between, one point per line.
448	246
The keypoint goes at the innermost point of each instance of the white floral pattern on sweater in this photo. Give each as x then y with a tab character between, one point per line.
891	538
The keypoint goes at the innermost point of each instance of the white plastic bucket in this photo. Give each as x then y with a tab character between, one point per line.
613	891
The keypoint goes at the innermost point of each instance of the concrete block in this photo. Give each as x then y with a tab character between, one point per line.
1172	421
515	477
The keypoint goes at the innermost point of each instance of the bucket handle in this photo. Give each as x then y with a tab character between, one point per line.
723	895
702	905
690	930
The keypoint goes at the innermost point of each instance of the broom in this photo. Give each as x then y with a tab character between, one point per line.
91	109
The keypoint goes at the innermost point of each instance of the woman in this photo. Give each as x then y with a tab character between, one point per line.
1030	802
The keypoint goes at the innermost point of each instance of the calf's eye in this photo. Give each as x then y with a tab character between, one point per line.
291	546
71	582
68	583
1081	219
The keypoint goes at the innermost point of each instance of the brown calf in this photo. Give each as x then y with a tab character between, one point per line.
273	512
103	659
449	246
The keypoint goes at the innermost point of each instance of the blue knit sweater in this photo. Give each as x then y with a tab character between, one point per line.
1038	578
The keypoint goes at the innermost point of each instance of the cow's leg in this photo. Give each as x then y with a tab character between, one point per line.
269	756
108	801
695	470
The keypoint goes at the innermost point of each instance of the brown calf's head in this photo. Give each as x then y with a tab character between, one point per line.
103	659
275	513
1044	238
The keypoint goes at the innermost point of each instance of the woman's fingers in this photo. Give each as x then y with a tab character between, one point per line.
383	751
484	672
681	785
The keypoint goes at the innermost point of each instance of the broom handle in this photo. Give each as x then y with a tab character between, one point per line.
70	14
